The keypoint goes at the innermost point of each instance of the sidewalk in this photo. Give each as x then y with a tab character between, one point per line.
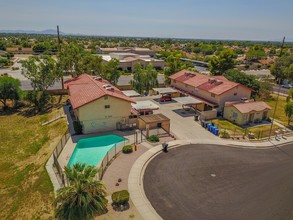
120	168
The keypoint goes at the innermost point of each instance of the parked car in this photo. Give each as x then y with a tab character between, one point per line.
287	86
165	98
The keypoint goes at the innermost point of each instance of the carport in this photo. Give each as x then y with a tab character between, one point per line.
189	101
144	107
154	121
167	91
131	93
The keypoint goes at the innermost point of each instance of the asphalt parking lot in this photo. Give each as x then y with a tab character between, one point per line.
215	182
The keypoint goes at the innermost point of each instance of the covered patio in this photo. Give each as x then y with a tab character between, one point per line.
155	121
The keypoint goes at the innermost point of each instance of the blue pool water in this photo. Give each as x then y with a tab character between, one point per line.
92	150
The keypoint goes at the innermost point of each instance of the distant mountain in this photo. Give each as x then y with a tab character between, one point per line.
47	31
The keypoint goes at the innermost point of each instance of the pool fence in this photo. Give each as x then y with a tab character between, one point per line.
58	149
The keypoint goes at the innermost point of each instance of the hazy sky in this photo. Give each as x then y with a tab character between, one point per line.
212	19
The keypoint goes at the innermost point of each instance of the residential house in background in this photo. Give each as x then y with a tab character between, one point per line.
245	112
214	91
136	50
127	60
97	104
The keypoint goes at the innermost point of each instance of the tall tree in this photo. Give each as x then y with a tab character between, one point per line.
90	64
225	61
138	78
111	71
283	68
255	53
42	73
9	90
84	197
173	65
70	58
151	77
289	111
244	79
265	89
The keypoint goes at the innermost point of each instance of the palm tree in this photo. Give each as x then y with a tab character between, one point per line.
84	197
151	78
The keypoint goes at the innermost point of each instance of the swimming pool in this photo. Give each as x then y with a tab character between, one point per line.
92	150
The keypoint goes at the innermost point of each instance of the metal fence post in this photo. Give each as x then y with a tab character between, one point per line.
107	158
115	150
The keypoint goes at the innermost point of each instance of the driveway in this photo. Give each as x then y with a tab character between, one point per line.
215	182
182	122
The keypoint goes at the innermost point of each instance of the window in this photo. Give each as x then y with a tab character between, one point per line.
235	93
105	97
107	106
213	95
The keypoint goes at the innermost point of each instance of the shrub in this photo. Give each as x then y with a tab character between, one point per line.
154	138
120	197
77	127
224	134
127	149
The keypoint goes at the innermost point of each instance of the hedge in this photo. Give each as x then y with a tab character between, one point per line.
127	149
154	138
120	197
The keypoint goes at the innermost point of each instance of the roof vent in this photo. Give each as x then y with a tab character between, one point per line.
188	74
110	88
218	81
98	78
211	80
243	99
106	86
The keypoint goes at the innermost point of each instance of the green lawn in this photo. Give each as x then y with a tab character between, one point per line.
26	190
260	131
280	115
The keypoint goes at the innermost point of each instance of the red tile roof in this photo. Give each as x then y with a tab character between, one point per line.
84	89
246	107
218	85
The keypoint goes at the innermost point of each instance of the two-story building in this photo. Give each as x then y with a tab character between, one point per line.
214	91
98	105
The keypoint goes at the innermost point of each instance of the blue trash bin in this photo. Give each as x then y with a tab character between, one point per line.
209	127
216	132
212	128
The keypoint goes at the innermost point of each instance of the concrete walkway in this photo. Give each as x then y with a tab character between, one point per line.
135	180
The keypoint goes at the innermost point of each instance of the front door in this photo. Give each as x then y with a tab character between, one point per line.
251	117
265	115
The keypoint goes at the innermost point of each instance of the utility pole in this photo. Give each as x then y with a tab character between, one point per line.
59	50
278	95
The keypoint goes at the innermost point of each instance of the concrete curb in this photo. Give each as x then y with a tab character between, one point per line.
135	179
51	173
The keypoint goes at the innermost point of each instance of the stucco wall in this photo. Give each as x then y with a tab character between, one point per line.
95	117
233	115
240	92
234	94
